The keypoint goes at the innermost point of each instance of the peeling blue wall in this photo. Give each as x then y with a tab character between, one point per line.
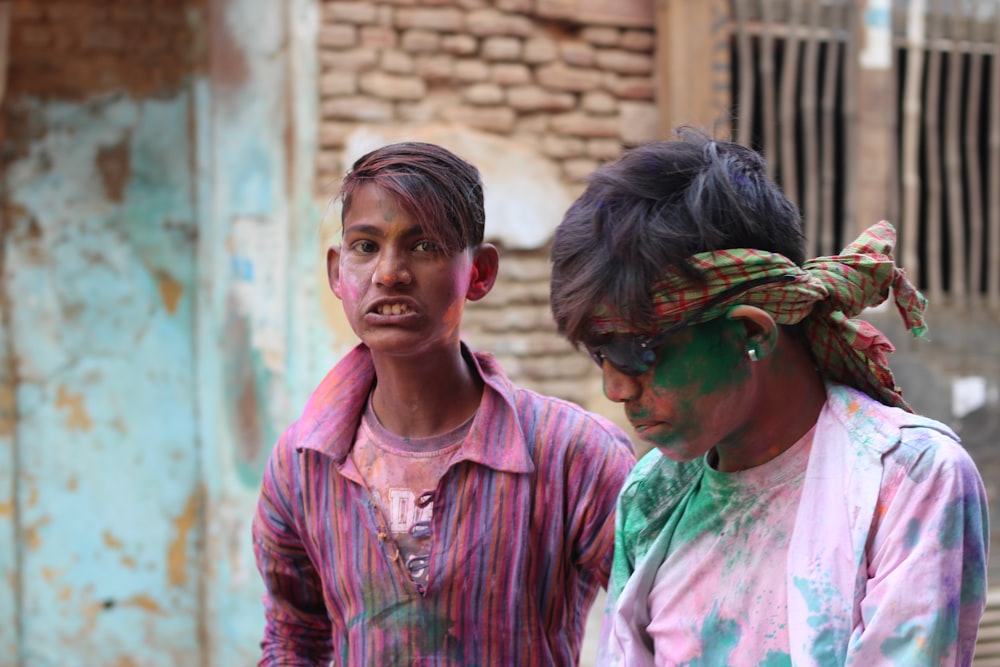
160	328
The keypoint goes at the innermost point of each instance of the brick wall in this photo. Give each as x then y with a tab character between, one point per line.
75	48
580	92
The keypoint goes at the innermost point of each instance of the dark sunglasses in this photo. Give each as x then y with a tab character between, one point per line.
634	355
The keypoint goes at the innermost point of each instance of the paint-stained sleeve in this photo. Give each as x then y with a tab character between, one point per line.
599	472
926	587
297	630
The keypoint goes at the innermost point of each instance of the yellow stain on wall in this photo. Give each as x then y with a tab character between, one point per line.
170	292
7	410
7	509
77	418
144	602
110	541
31	536
177	552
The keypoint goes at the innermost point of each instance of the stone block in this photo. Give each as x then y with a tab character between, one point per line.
576	53
638	40
493	23
396	62
460	45
392	87
349	60
599	102
559	76
435	19
483	94
469	70
534	98
338	36
421	41
502	48
356	108
360	13
601	35
640	122
624	62
540	50
584	125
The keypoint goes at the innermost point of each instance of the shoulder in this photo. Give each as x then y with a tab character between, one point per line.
914	444
551	422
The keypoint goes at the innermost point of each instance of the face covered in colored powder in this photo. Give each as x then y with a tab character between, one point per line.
402	294
695	395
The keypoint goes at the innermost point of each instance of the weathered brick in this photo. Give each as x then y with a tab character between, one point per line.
624	62
493	23
526	267
640	122
489	119
577	53
106	37
601	35
392	87
584	125
559	76
338	36
360	13
578	169
469	70
351	60
599	102
31	37
356	107
131	13
511	74
459	45
516	6
483	94
435	19
378	37
630	87
531	126
604	150
501	48
421	41
338	82
25	10
563	147
638	40
333	134
435	67
540	50
396	62
534	98
75	12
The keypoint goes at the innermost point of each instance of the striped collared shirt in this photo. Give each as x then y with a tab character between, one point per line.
522	535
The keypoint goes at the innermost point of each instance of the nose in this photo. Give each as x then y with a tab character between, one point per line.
618	386
391	269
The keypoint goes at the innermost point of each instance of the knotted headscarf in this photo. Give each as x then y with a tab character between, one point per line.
826	293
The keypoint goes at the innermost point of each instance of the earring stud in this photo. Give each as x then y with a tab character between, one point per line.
752	353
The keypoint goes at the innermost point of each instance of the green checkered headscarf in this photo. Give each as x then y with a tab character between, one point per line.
826	293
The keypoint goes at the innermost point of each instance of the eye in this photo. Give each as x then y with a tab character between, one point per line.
364	247
426	246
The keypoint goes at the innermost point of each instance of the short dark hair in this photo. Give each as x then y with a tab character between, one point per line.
647	213
438	189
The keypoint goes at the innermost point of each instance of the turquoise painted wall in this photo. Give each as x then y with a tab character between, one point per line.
160	326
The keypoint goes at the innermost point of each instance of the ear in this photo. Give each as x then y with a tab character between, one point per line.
333	269
761	329
485	266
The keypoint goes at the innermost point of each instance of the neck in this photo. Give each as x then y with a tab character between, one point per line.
790	393
427	395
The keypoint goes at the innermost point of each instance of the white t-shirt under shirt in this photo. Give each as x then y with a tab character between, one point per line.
717	601
402	475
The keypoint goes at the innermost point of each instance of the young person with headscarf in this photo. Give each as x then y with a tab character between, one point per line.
793	510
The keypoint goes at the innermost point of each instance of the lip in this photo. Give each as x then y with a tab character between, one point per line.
374	309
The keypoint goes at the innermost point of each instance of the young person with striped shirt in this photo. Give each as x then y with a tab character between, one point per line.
793	510
424	510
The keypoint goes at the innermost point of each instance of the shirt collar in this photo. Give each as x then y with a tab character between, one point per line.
495	439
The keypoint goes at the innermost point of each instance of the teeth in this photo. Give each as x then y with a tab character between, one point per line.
393	309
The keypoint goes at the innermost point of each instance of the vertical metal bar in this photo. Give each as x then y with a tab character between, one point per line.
850	111
932	97
973	104
745	113
787	112
993	275
953	160
770	124
810	130
910	160
828	105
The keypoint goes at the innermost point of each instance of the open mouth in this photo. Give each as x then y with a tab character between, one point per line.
393	309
